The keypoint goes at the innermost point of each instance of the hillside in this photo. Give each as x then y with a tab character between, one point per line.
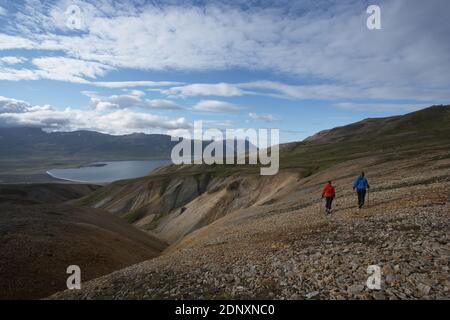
40	237
238	235
286	248
177	200
430	121
43	193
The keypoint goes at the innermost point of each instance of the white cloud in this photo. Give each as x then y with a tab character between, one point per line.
70	70
9	105
126	101
131	84
135	92
56	68
265	88
67	69
215	106
19	113
312	92
122	101
205	89
18	74
163	104
301	91
16	42
263	117
12	60
328	44
133	121
3	11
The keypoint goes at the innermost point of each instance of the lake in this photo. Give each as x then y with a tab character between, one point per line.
108	171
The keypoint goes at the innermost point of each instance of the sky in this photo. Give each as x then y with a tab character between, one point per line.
120	67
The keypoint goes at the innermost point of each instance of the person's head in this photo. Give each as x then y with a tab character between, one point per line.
329	181
362	173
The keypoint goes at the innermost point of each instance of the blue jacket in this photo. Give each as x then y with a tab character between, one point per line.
361	183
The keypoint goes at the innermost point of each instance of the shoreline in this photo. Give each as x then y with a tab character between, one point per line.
106	163
78	181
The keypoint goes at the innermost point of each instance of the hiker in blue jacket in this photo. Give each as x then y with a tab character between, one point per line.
360	185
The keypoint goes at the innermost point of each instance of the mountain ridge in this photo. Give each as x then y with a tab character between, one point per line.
40	151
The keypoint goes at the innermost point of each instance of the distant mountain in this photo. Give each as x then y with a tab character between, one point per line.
32	143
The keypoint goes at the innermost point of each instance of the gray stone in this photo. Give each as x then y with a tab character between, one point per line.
355	289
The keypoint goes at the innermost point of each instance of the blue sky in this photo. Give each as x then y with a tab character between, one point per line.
157	66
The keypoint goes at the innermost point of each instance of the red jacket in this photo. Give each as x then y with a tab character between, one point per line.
328	191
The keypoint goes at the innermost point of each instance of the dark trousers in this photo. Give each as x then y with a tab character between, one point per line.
361	197
328	202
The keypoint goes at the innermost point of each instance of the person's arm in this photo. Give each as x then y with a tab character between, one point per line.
367	184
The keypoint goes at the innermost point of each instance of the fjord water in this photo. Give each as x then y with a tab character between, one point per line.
108	171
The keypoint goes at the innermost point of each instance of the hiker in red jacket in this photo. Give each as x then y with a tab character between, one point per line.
329	193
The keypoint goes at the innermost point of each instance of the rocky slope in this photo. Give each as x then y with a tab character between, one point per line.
285	248
235	234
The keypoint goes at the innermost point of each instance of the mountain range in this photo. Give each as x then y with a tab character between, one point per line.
34	143
40	151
